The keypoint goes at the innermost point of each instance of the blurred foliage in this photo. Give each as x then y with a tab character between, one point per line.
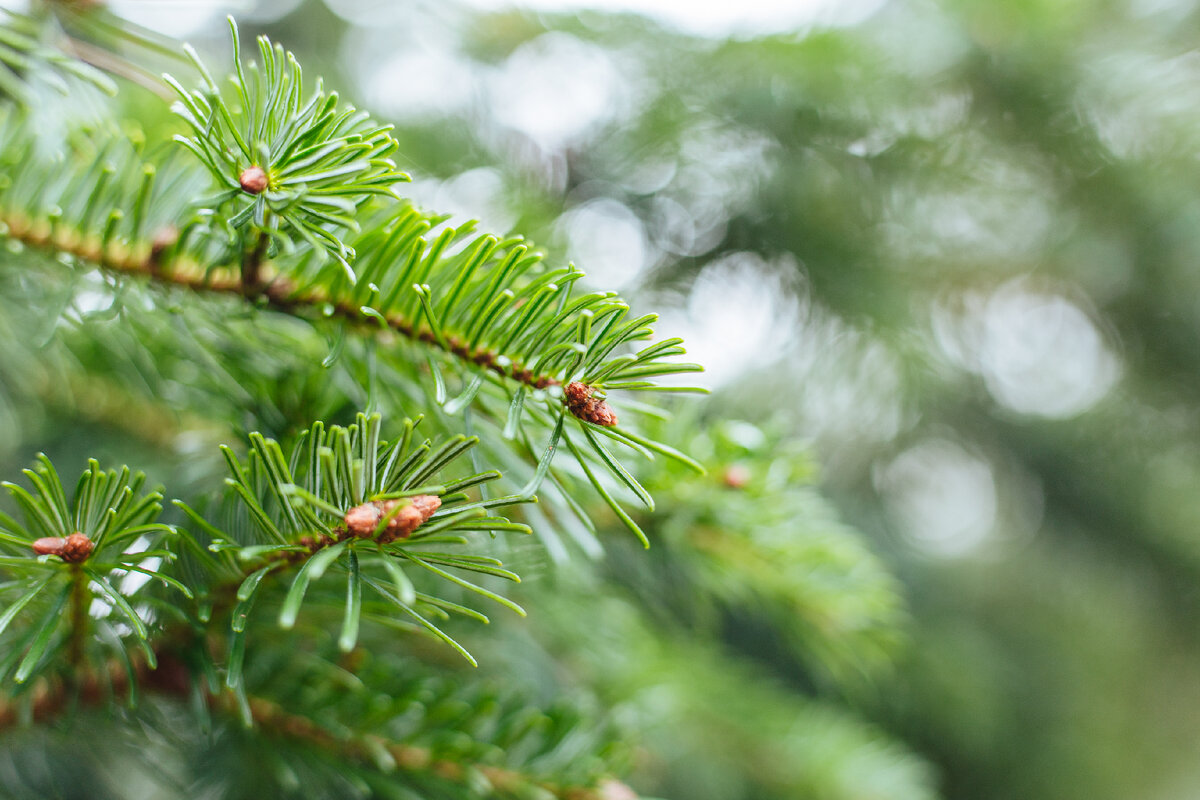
952	247
980	218
160	301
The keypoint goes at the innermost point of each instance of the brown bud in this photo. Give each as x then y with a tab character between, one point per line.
580	402
77	548
73	549
611	789
49	545
166	237
404	516
737	476
253	180
362	520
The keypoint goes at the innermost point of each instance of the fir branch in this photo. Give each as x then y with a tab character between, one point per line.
407	758
755	540
282	294
344	496
173	679
65	546
492	304
287	166
278	293
26	51
489	307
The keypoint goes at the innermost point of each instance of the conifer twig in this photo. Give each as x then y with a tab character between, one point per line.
172	679
279	294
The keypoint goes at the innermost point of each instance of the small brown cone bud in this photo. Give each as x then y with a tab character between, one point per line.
737	476
73	549
426	504
610	789
77	548
253	180
362	520
589	409
404	517
49	545
404	520
419	509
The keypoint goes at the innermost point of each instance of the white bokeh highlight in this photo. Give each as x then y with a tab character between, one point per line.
717	17
942	497
554	89
735	317
479	194
1038	352
419	83
606	240
179	19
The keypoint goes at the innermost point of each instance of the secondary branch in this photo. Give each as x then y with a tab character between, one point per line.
276	291
50	699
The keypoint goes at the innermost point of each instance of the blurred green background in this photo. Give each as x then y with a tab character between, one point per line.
954	246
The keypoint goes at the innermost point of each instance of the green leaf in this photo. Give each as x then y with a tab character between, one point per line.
34	512
481	564
424	623
633	439
513	420
119	601
404	587
54	494
237	655
163	578
450	450
247	591
349	636
41	639
312	570
608	498
616	468
293	490
504	601
447	605
543	466
11	612
464	399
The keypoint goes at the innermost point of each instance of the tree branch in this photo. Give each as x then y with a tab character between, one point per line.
172	679
277	291
80	600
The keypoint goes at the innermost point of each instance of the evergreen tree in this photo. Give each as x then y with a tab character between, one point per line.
362	421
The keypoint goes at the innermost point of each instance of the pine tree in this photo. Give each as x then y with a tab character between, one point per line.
367	420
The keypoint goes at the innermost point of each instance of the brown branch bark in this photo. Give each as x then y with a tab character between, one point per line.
278	292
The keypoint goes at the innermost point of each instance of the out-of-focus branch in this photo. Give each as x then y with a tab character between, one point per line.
49	699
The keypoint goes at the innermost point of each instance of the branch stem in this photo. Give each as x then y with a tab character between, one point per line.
279	293
78	611
252	263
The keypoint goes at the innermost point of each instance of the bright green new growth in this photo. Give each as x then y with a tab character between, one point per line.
293	509
108	508
321	162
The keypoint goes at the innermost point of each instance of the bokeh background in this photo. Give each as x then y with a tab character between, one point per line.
953	246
